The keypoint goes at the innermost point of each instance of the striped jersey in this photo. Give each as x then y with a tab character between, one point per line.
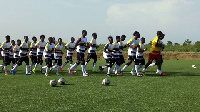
33	51
58	55
46	53
16	50
132	51
23	53
53	46
139	55
82	48
115	52
121	44
70	45
40	44
92	49
11	53
110	50
5	46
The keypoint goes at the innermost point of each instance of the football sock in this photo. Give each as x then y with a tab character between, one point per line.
83	68
152	64
124	67
116	68
47	70
137	69
159	71
15	67
133	69
27	69
36	66
73	66
58	67
109	69
104	67
5	68
86	63
55	66
44	67
94	65
41	66
64	64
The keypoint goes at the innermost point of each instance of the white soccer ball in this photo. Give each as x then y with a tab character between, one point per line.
194	66
106	82
62	81
53	83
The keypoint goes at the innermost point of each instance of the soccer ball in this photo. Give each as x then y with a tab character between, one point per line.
106	82
62	81
53	83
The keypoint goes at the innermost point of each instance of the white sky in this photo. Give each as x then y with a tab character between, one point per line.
178	19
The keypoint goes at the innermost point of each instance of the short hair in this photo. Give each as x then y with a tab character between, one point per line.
42	36
12	40
59	38
18	40
33	37
72	38
53	38
117	37
25	37
84	31
136	32
142	38
7	36
159	33
110	37
123	36
94	34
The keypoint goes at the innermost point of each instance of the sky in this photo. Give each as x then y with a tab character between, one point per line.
177	19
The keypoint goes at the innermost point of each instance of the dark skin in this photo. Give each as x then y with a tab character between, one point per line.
122	39
106	47
7	41
142	50
78	42
18	43
42	39
50	42
34	40
160	37
60	43
118	40
12	44
72	41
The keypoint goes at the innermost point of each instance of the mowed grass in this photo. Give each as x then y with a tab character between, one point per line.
178	91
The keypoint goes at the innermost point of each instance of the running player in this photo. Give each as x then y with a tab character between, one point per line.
5	48
116	58
132	44
40	45
33	53
81	44
107	54
47	55
58	55
70	46
16	50
11	53
139	62
92	52
155	52
23	57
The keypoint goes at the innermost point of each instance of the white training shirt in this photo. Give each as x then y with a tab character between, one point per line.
34	51
23	53
121	44
110	50
131	51
58	55
92	49
115	53
70	45
4	46
11	53
47	54
53	46
42	44
139	55
82	48
16	50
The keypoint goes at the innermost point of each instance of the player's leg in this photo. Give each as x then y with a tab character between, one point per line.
26	60
59	63
75	64
151	58
94	63
49	65
130	60
110	63
88	59
5	62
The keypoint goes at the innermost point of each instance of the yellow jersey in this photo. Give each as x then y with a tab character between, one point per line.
155	49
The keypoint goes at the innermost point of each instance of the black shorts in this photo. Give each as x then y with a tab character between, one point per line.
39	59
133	58
121	58
92	56
33	59
69	58
80	56
25	59
6	60
140	62
12	60
52	57
48	62
110	60
59	62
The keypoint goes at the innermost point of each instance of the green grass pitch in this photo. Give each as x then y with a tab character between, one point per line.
178	91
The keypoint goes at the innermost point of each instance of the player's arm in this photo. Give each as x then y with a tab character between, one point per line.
140	49
158	44
106	47
78	42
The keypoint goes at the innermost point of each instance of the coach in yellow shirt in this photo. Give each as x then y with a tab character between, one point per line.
155	50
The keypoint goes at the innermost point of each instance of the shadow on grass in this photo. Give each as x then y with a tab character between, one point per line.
173	74
69	84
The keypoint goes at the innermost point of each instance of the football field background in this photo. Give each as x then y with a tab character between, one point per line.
179	90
